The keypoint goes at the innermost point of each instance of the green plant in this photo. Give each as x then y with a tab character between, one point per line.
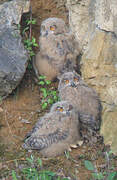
28	23
99	175
14	175
67	154
36	173
29	44
49	93
29	40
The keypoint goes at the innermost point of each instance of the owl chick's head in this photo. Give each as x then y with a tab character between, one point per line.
71	79
53	26
62	107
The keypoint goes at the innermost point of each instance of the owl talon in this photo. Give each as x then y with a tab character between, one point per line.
80	143
73	146
69	149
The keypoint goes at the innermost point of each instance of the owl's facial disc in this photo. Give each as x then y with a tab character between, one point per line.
44	32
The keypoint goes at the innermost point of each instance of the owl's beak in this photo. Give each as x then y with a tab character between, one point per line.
73	84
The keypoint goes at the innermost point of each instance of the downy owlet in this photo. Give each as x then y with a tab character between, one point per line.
58	49
73	89
56	131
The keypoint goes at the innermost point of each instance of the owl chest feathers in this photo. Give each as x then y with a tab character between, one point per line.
57	48
84	100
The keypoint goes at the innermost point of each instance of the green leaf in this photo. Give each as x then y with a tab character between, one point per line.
25	29
39	162
112	176
98	176
29	48
53	93
48	82
41	83
29	160
110	152
14	175
35	44
55	98
50	101
44	92
30	173
34	21
32	53
41	77
44	105
89	165
33	39
50	173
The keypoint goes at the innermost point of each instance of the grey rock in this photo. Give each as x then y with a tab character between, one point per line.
86	15
80	18
11	12
106	15
13	56
13	60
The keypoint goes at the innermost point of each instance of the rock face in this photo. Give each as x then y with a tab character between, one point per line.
80	17
97	33
13	56
106	15
99	69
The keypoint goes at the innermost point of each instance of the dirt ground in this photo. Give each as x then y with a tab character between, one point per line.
20	111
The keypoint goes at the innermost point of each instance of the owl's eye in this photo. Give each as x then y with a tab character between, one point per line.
76	79
59	109
53	28
66	81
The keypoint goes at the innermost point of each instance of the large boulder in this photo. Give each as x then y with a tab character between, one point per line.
11	12
81	19
86	15
99	69
106	15
13	56
94	23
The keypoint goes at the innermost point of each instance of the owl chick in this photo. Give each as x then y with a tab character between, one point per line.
73	89
56	131
58	49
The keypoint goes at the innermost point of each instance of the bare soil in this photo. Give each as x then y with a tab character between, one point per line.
20	111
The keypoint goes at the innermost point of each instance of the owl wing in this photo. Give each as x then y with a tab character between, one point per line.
92	117
50	132
89	96
88	121
37	126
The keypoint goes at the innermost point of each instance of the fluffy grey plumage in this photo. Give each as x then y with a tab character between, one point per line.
58	49
73	89
56	131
